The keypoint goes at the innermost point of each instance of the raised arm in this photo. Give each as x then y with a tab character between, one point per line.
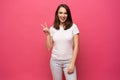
48	37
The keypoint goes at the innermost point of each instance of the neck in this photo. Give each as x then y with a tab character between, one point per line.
61	24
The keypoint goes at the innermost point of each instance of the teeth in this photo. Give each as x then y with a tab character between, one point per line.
63	18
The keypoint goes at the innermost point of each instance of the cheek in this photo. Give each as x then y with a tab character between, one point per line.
66	16
59	15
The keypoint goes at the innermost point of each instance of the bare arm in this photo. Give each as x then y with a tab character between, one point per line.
48	42
48	37
75	52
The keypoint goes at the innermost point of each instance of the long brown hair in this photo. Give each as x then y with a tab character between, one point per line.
68	22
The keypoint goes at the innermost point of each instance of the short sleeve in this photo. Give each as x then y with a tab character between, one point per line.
51	31
75	29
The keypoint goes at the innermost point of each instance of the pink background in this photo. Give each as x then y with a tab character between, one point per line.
23	55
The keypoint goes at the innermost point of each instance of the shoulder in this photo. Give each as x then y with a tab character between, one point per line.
52	29
75	29
74	26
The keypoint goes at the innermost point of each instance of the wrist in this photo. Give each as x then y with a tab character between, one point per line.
47	35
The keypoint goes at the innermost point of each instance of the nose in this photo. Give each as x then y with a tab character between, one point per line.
63	15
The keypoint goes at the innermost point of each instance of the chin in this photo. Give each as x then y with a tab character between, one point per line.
62	21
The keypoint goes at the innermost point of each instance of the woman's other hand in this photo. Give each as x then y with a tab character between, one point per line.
70	69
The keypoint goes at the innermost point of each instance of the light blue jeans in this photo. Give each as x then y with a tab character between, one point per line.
57	66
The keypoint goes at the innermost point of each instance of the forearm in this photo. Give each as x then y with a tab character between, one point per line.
75	50
74	56
48	42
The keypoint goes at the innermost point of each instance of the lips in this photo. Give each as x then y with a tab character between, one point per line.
62	19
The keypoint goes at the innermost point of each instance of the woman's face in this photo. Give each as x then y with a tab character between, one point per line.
62	14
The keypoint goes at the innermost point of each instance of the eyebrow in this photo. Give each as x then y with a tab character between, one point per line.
62	12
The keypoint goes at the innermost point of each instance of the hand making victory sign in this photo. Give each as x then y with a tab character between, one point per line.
45	29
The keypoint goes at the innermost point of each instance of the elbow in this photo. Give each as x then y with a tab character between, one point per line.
49	48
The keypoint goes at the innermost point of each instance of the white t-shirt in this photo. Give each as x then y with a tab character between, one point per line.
63	42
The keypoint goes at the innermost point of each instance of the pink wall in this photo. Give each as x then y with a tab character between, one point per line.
23	55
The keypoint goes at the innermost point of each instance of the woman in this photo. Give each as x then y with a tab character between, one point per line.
62	38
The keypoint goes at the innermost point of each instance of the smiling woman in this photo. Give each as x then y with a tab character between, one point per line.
22	42
62	37
62	14
63	17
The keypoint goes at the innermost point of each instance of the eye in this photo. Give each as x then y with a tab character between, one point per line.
65	13
60	12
